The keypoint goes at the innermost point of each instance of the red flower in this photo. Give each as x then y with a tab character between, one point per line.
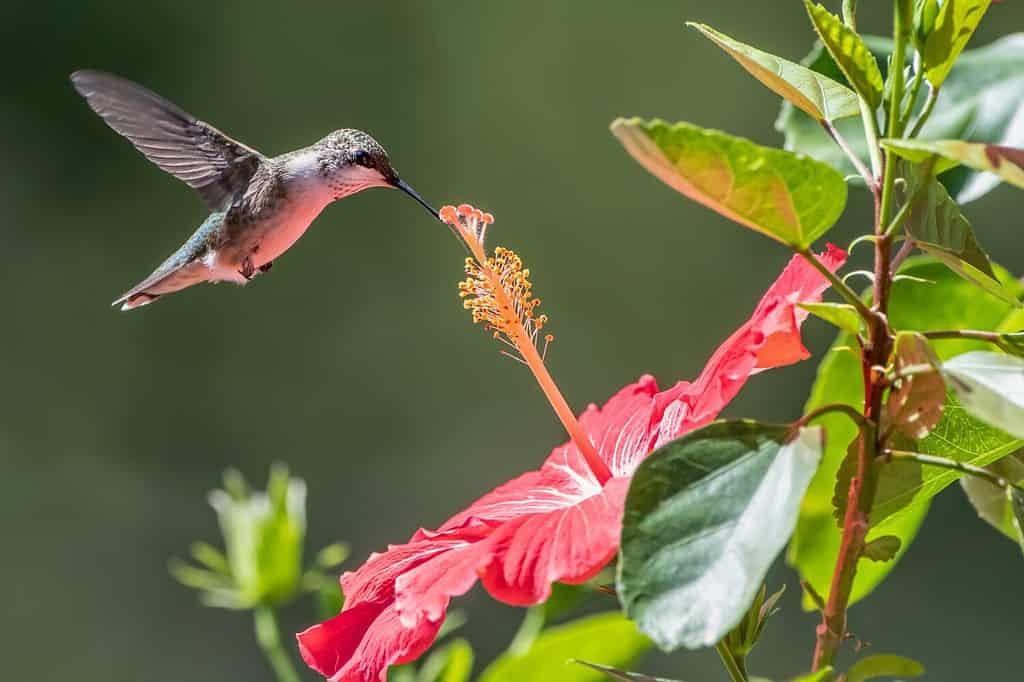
559	523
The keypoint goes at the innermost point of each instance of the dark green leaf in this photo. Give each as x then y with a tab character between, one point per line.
953	27
705	517
981	100
785	196
990	386
883	665
882	549
842	315
819	96
607	638
849	52
947	303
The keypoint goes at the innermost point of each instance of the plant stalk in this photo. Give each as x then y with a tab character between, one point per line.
269	637
951	464
735	667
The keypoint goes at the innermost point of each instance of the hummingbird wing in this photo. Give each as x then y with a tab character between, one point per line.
193	151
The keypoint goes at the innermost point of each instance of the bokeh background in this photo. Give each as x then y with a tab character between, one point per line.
353	361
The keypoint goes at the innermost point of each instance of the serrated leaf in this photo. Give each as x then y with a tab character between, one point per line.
915	405
992	502
787	197
948	302
608	638
982	101
705	517
1005	162
953	27
883	665
882	549
990	386
819	96
622	674
850	53
842	315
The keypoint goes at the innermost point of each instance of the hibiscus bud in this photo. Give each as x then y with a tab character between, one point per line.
925	13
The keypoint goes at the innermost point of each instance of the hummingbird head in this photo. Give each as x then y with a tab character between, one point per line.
353	161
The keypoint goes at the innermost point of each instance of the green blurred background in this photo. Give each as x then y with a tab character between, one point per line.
353	361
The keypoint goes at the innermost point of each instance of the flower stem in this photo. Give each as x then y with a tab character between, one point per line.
734	667
269	637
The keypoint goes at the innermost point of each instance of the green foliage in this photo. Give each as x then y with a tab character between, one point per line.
994	503
947	302
990	386
947	38
882	549
842	315
883	665
1007	163
705	517
614	673
849	52
916	402
608	639
819	96
785	196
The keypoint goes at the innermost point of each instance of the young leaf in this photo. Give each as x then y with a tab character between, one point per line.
849	52
883	665
821	97
954	26
948	302
938	228
915	405
842	315
608	638
1005	162
622	674
787	197
982	101
705	517
882	549
990	386
993	502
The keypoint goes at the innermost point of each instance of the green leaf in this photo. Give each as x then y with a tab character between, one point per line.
882	549
883	665
705	517
849	52
623	675
1007	163
785	196
990	386
822	675
606	638
1017	507
819	96
992	502
452	663
948	302
915	405
982	101
842	315
954	26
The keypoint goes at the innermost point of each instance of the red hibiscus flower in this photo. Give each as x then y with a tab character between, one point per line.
559	523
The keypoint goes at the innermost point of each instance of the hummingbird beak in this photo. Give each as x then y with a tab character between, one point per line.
398	183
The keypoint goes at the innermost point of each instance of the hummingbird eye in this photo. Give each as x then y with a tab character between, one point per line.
363	158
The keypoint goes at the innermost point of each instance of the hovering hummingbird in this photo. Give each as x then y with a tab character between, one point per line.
259	205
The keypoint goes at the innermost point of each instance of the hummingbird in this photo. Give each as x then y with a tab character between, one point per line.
259	205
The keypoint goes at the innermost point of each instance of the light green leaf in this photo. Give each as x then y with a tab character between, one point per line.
705	517
948	303
607	638
842	315
452	663
785	196
883	665
849	52
990	386
1005	162
982	101
623	675
821	97
992	502
954	26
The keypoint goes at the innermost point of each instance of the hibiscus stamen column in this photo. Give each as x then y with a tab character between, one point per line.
498	292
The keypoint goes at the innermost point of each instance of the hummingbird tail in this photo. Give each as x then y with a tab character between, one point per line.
136	301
